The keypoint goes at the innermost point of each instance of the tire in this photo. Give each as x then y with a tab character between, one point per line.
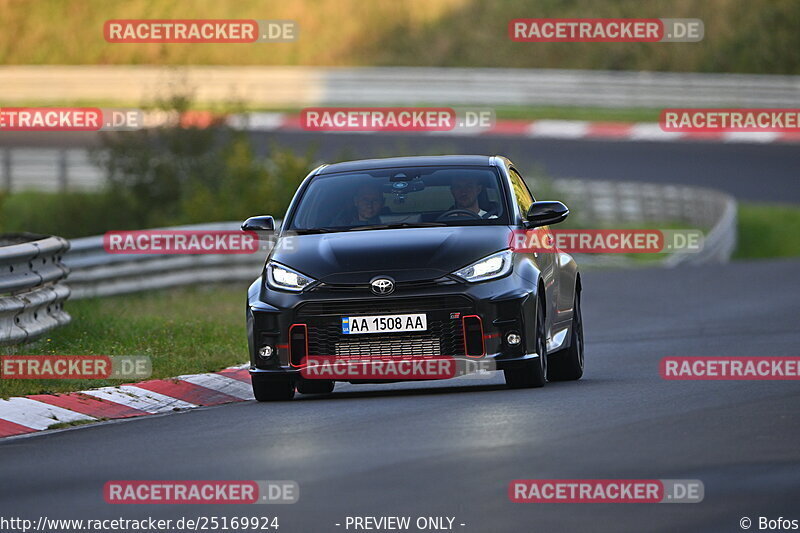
273	389
567	364
531	374
315	386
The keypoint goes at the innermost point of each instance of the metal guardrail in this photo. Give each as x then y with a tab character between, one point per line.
49	169
305	86
32	291
95	273
619	202
545	87
720	242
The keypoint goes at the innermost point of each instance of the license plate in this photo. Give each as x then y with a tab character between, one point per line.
383	323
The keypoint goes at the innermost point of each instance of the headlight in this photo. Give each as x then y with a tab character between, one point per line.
285	279
490	267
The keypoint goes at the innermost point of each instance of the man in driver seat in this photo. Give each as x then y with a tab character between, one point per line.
466	191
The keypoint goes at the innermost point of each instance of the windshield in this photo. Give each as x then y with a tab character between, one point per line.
401	197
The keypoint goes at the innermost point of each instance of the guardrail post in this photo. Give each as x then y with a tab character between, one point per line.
62	170
7	169
32	288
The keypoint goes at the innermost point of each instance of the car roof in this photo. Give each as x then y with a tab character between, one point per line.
415	161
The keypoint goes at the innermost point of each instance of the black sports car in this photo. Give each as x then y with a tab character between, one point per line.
411	257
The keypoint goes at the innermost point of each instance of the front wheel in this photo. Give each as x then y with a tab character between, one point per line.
272	388
567	364
531	373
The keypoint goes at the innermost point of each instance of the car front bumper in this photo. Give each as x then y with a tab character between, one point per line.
503	306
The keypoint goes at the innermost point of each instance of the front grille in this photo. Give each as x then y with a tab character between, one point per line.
443	337
386	305
389	347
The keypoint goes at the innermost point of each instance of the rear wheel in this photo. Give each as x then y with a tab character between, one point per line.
567	364
315	386
272	388
531	373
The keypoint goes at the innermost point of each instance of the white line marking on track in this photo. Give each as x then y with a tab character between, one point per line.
645	131
561	129
750	136
37	415
219	383
257	121
137	398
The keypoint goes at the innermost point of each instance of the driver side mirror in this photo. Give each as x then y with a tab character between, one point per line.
259	223
546	213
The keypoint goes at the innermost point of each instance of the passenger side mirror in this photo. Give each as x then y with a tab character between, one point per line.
259	223
546	213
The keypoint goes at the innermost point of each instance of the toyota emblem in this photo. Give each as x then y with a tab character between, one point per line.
382	286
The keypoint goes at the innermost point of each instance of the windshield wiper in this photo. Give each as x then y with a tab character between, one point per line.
399	225
312	231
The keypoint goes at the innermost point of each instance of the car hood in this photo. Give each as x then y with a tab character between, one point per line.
405	254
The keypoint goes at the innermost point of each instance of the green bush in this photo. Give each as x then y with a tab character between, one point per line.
174	175
740	35
165	176
71	214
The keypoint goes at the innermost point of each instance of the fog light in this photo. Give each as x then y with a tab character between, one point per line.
513	338
265	351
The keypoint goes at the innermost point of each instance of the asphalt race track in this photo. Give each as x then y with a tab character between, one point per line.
755	172
451	448
749	171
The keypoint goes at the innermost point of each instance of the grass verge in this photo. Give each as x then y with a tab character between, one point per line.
64	425
768	230
184	331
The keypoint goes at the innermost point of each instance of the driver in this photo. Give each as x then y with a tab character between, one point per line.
368	202
465	191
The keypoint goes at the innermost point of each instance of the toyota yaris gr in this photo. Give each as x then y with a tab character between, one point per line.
412	257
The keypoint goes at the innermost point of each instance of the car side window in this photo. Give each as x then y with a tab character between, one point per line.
522	195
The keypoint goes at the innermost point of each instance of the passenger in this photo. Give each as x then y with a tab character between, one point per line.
367	204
